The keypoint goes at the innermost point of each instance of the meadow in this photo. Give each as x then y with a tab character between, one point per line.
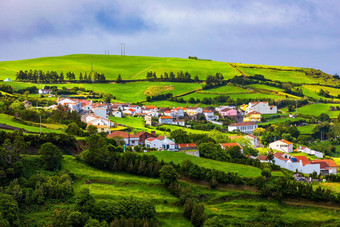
316	88
178	157
129	67
317	109
307	130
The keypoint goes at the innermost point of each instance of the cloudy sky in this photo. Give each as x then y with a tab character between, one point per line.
274	32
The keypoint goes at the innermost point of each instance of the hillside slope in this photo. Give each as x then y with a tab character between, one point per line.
136	67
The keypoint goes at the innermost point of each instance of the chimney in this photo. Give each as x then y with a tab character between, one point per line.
153	133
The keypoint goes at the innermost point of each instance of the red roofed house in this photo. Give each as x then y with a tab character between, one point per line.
226	112
161	143
129	139
282	145
166	120
187	146
293	163
327	166
262	158
145	135
229	145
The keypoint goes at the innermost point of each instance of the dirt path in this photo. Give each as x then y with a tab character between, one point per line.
242	73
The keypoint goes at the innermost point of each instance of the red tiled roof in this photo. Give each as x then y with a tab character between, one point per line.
207	111
252	136
304	159
325	163
253	112
168	111
285	141
187	145
150	139
150	107
279	155
165	117
229	145
262	157
122	134
160	137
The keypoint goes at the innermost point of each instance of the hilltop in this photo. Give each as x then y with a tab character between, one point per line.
136	67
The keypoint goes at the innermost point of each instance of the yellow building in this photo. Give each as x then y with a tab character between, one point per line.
252	117
244	107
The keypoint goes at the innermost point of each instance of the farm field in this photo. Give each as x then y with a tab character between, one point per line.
178	157
317	109
279	120
226	89
316	88
48	128
129	67
265	87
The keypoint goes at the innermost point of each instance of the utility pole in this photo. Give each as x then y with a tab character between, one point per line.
92	76
40	124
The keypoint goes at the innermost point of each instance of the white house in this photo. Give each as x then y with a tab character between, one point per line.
129	111
130	139
178	112
45	91
161	143
209	115
71	104
117	113
245	127
86	105
327	166
101	112
179	122
282	145
165	120
262	107
96	120
309	151
137	109
300	163
7	80
253	140
194	111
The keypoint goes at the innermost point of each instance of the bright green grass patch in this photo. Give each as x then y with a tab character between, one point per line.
308	129
227	89
279	120
317	109
334	186
255	96
129	67
178	157
8	120
280	75
265	87
317	88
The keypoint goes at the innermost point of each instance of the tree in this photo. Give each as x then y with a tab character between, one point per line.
108	97
119	79
188	206
91	129
214	222
9	209
85	201
51	156
266	172
73	129
324	117
196	78
198	216
259	131
168	174
180	136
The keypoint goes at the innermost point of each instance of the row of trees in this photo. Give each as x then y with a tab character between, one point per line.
171	77
38	76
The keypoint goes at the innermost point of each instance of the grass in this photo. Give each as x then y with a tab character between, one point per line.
200	95
178	157
8	120
226	89
332	186
317	88
317	109
306	130
129	67
156	90
114	185
278	120
265	87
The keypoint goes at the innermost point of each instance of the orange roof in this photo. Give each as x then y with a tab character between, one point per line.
242	124
165	117
150	139
285	141
328	162
279	155
304	159
187	145
168	111
262	157
229	145
122	134
160	137
150	107
253	112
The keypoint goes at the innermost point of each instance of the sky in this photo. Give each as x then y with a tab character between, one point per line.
304	33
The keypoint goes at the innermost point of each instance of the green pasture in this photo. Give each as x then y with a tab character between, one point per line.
316	88
129	67
178	157
317	109
264	87
308	129
8	120
250	95
226	89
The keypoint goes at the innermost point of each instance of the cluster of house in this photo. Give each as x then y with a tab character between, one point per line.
300	163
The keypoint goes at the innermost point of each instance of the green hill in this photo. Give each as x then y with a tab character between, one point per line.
136	67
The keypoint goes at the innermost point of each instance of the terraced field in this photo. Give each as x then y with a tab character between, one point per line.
316	88
317	109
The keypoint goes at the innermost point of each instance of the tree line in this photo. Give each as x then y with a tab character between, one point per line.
39	76
171	77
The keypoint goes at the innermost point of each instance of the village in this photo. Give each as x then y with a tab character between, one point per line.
245	117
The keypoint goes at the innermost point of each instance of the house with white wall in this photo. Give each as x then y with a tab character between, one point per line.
166	120
299	163
209	115
282	146
245	127
262	107
309	151
96	120
73	105
101	112
130	139
161	143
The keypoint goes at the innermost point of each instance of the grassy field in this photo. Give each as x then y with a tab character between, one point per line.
317	88
308	129
265	87
129	67
279	120
178	157
317	109
226	89
110	186
47	128
258	96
